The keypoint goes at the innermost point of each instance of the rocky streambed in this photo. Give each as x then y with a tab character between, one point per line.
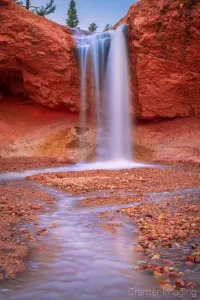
112	234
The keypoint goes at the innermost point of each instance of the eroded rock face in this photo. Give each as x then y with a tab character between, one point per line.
164	38
176	140
37	58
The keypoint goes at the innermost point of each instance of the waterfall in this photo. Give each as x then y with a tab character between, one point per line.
105	56
83	53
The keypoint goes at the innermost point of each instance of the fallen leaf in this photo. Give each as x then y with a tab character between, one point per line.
156	273
180	283
41	248
43	230
167	287
191	285
168	262
191	259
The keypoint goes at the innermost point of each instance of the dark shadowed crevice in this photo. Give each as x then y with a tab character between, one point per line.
12	83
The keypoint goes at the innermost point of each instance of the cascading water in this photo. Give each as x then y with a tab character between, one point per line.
83	53
118	97
105	57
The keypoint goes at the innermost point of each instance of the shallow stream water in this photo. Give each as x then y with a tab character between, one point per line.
81	260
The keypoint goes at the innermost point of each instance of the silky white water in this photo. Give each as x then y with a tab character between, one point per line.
105	57
118	97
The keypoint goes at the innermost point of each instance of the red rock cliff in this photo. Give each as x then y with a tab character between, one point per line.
37	58
164	38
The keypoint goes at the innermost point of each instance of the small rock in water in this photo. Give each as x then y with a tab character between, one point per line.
176	245
155	256
54	224
167	287
41	231
41	248
139	249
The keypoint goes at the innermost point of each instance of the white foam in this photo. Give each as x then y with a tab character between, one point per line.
107	165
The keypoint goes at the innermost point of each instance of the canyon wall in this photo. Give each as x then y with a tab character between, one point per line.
164	40
38	64
37	58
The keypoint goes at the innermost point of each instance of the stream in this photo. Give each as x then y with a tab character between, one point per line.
81	260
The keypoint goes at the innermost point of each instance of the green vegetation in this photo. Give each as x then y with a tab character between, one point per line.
107	27
41	11
72	15
72	20
28	4
19	2
92	27
48	9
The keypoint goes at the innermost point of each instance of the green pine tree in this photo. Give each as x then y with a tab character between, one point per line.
93	27
28	4
72	20
41	11
107	27
48	9
19	2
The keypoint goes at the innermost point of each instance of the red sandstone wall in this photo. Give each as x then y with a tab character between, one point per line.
164	38
37	58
